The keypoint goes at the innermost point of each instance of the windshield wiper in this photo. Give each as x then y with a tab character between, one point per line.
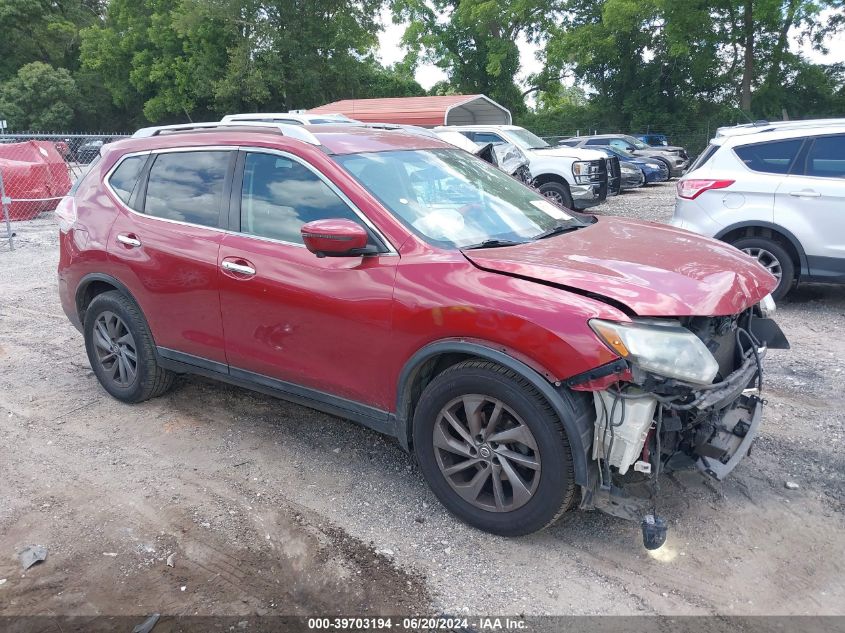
491	244
557	229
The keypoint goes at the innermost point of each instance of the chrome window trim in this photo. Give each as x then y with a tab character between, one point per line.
391	249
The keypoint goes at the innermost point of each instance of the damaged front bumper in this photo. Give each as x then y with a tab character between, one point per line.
647	425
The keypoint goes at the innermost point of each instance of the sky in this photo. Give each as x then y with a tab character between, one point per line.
427	75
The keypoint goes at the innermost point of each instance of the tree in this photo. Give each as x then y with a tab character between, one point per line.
192	59
660	61
475	41
40	98
43	30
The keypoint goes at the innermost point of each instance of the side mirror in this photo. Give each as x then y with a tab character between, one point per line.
335	238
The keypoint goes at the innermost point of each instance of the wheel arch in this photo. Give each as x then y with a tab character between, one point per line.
94	284
434	358
755	228
550	176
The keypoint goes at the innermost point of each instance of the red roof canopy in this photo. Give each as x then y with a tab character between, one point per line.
423	111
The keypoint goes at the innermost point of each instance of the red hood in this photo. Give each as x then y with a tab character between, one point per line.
654	269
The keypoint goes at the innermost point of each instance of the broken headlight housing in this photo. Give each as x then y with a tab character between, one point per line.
664	348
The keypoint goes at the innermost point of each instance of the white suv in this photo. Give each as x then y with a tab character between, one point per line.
775	191
573	178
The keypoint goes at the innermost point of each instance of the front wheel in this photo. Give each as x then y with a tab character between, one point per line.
493	450
558	193
774	258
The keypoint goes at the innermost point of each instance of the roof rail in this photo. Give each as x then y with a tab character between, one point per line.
285	129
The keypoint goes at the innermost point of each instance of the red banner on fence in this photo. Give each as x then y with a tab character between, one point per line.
35	177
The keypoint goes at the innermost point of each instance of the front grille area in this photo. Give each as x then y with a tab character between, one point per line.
614	176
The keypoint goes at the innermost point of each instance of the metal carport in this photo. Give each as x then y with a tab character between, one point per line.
422	111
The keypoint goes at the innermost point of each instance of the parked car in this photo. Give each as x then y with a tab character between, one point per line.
89	150
653	139
632	176
652	170
528	356
777	193
675	158
290	118
506	157
572	178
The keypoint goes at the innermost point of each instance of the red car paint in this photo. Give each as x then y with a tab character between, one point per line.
653	269
348	325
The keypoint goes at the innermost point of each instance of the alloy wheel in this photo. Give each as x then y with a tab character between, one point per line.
487	453
555	197
115	349
766	259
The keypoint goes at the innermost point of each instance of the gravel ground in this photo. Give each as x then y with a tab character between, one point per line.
270	508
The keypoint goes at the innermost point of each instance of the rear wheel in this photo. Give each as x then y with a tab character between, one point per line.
774	258
121	350
493	450
557	193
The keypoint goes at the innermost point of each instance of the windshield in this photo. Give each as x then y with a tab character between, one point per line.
453	199
526	139
636	142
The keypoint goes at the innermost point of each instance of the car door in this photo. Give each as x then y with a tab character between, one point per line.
164	245
810	203
292	319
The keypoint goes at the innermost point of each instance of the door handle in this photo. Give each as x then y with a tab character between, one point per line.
239	268
129	240
805	193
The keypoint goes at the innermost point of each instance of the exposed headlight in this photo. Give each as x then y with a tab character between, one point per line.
583	171
652	165
767	306
666	349
630	171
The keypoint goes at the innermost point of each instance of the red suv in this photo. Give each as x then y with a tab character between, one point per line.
532	358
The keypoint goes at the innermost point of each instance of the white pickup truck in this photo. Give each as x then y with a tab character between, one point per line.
574	178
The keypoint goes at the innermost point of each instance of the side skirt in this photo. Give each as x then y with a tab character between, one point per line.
371	417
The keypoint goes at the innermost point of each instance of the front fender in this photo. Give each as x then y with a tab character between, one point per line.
578	427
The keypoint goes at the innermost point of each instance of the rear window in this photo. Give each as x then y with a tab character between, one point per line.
826	158
187	186
703	157
124	179
774	157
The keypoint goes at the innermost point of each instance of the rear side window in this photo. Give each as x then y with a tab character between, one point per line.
826	158
703	157
774	157
187	186
487	137
279	195
124	179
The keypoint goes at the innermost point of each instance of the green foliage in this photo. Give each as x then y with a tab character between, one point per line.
205	58
39	97
667	65
474	41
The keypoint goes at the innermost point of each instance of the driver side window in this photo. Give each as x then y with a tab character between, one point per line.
280	194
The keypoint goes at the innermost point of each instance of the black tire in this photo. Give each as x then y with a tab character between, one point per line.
555	490
558	193
149	380
774	258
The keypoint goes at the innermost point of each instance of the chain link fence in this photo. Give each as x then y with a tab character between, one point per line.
693	139
37	171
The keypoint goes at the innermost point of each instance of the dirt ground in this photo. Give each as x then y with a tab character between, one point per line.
271	508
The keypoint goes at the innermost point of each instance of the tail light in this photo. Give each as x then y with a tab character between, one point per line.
692	188
66	213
